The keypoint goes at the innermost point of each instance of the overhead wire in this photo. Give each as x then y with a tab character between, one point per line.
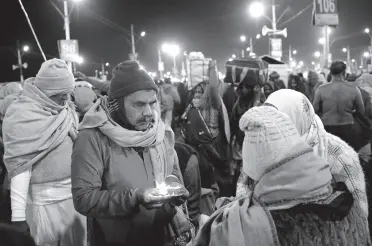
32	29
297	15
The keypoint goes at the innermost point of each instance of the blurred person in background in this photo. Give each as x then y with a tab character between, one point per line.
268	88
297	83
314	83
335	102
39	131
275	77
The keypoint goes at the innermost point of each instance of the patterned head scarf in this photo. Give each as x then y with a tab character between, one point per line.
301	112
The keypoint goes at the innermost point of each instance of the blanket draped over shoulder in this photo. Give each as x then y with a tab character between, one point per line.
33	126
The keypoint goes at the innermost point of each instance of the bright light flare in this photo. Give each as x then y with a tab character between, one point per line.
233	56
143	34
353	60
107	64
26	48
243	38
367	30
256	9
366	54
322	41
317	54
294	52
80	60
344	50
171	49
258	36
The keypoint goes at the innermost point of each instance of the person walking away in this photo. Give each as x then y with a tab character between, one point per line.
336	111
123	150
292	202
275	77
343	160
314	84
39	130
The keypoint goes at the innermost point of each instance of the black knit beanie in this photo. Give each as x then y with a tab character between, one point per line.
129	78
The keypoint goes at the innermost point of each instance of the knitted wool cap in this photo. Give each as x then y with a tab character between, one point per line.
54	78
129	78
269	134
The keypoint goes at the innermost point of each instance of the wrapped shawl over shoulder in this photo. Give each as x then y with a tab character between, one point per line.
33	126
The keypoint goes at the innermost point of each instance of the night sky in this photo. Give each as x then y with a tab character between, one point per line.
211	26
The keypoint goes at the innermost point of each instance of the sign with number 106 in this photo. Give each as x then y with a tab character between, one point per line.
325	13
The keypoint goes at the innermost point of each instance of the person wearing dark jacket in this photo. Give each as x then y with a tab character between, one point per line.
292	201
122	152
189	166
336	111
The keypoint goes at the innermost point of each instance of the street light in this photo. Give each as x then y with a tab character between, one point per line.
256	9
322	41
344	50
294	52
367	30
26	48
313	63
301	63
258	36
248	49
107	64
233	56
143	34
172	50
243	38
317	54
366	54
353	60
80	60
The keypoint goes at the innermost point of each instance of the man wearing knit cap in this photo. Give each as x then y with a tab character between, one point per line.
39	130
123	150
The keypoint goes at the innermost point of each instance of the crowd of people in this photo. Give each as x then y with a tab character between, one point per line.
256	160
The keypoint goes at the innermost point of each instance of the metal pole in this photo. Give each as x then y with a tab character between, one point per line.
326	48
348	58
160	72
66	18
274	16
290	53
20	65
243	53
174	66
133	43
251	46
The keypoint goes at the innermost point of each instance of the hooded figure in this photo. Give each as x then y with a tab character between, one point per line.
39	130
292	201
343	160
122	152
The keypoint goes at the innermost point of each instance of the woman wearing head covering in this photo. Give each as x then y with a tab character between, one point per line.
335	102
205	97
292	202
343	160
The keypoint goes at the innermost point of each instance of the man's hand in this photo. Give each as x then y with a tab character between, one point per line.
80	75
21	226
147	199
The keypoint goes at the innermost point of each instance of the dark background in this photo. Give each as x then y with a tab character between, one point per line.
211	26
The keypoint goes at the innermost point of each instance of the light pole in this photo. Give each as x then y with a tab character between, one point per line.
368	32
347	51
243	39
21	65
172	50
134	56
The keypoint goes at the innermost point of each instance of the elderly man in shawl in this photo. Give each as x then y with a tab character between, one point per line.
122	152
292	202
39	130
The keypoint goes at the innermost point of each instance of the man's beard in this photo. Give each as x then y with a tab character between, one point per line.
145	123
